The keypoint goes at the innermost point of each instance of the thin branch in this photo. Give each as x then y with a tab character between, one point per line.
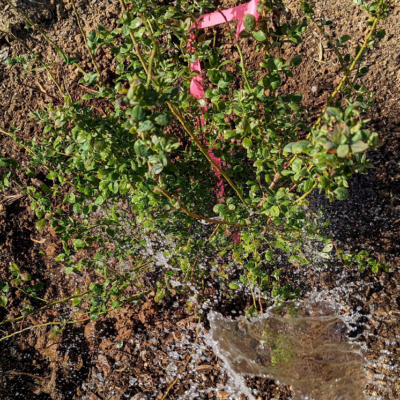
197	216
347	74
85	40
40	326
135	43
53	303
307	193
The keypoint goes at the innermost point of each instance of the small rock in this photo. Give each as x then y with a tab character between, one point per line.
139	396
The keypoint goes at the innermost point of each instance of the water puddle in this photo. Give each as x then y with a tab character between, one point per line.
304	345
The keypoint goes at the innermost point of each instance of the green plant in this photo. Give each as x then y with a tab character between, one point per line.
142	166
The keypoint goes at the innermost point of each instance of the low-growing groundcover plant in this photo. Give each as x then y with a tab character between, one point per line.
141	172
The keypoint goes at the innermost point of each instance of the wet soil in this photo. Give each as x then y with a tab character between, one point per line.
139	350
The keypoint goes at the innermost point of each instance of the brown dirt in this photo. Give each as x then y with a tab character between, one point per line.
138	349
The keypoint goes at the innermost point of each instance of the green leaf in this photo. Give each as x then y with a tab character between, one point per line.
3	301
38	286
249	22
334	112
125	48
288	148
163	120
78	243
260	36
72	60
296	166
247	143
344	38
274	80
359	147
159	295
30	172
68	270
40	224
45	188
343	150
301	146
234	285
138	114
52	175
274	211
341	193
99	201
145	126
296	60
8	162
60	257
141	148
69	149
14	269
25	276
252	310
136	23
328	248
157	169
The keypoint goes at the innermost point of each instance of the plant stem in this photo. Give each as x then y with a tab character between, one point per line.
347	74
154	51
328	39
307	193
243	67
66	322
85	39
354	63
45	307
197	216
21	145
39	326
33	297
135	43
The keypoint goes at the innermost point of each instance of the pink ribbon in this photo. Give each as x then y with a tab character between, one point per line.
196	85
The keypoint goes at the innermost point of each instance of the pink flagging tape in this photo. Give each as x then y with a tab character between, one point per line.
217	18
196	85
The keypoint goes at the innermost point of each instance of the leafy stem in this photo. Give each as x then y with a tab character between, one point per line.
197	216
85	40
244	72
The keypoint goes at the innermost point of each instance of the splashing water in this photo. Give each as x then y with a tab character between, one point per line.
303	345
